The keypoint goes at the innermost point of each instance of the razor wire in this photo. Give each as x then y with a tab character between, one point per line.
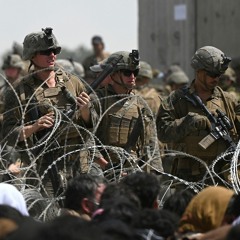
44	206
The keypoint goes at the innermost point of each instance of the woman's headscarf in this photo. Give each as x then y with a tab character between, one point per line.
9	195
206	210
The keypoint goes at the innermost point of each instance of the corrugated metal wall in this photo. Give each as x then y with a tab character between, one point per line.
168	34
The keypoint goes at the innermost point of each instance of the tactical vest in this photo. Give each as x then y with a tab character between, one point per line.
119	119
46	98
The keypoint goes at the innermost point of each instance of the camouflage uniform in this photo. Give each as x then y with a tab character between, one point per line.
177	80
36	100
178	116
90	61
11	61
120	115
149	94
72	67
228	81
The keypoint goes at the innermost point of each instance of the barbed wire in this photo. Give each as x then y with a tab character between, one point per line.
31	182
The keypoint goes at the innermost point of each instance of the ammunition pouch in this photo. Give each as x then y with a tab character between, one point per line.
119	129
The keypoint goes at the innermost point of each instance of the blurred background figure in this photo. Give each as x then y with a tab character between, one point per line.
98	55
228	83
13	67
177	80
72	67
149	94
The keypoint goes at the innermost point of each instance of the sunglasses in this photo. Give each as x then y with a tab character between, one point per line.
48	52
128	73
213	75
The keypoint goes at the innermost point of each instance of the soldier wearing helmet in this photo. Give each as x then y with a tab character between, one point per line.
72	67
149	94
228	82
117	107
177	80
46	94
12	67
182	123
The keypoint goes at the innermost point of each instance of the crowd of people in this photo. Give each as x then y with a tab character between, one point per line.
113	149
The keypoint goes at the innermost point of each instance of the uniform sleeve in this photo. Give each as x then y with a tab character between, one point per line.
170	128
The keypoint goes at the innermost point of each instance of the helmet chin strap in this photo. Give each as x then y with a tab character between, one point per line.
122	84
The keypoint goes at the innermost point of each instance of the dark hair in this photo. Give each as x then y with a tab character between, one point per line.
118	208
145	186
178	202
115	229
163	222
11	213
80	187
114	191
234	233
233	209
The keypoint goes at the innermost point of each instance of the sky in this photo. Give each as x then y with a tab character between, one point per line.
74	22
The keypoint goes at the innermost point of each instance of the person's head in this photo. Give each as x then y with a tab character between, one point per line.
177	80
117	202
41	49
7	212
125	71
178	202
98	45
163	222
227	79
206	210
145	186
83	193
71	66
12	66
233	210
209	64
9	195
145	74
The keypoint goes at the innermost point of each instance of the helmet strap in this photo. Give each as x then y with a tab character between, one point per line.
122	84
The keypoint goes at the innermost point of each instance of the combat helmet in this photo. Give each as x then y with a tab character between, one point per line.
13	60
210	59
39	41
71	66
230	74
130	61
145	70
178	78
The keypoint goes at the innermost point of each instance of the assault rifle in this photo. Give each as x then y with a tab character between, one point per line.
221	125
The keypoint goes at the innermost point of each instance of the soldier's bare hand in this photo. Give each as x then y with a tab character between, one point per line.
83	101
45	121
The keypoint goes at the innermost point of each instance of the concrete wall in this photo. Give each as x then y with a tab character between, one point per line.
167	35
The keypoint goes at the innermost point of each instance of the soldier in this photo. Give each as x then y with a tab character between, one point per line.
183	123
72	67
45	96
121	108
98	56
177	80
12	67
149	94
228	81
